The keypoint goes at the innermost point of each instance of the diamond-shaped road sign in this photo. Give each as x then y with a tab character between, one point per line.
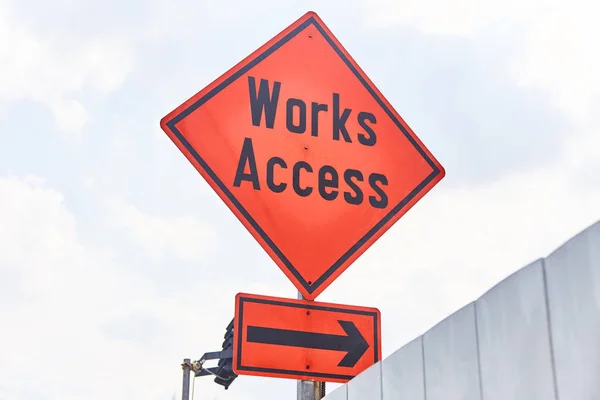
306	152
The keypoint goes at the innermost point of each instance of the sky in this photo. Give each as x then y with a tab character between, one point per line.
117	260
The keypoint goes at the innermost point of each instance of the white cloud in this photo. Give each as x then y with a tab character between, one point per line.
36	232
87	326
559	51
456	18
583	148
562	57
49	282
54	70
70	115
184	237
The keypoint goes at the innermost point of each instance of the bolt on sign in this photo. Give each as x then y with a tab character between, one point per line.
306	152
300	339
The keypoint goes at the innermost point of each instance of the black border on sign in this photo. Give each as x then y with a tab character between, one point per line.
238	332
252	63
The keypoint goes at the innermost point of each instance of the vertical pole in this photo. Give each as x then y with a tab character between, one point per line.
309	390
187	367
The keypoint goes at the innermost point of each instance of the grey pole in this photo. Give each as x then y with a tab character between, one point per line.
309	390
187	367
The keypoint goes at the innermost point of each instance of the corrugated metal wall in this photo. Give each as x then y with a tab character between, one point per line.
534	336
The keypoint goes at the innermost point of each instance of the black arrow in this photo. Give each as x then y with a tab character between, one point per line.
353	343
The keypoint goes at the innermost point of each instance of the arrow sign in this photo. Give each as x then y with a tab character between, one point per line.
353	343
301	339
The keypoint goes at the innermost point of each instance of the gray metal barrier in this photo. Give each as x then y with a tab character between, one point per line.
533	336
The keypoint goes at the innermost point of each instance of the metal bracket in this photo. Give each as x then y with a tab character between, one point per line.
215	355
198	366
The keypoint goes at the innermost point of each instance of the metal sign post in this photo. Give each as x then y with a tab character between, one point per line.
309	390
187	368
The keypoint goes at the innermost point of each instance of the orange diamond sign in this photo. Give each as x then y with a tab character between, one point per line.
306	152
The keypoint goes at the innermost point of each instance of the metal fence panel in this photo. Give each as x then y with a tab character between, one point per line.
451	358
402	373
534	336
573	279
514	343
367	385
340	393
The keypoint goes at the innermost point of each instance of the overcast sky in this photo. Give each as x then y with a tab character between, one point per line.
116	258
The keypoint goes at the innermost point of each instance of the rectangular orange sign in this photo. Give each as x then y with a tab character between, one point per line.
299	339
